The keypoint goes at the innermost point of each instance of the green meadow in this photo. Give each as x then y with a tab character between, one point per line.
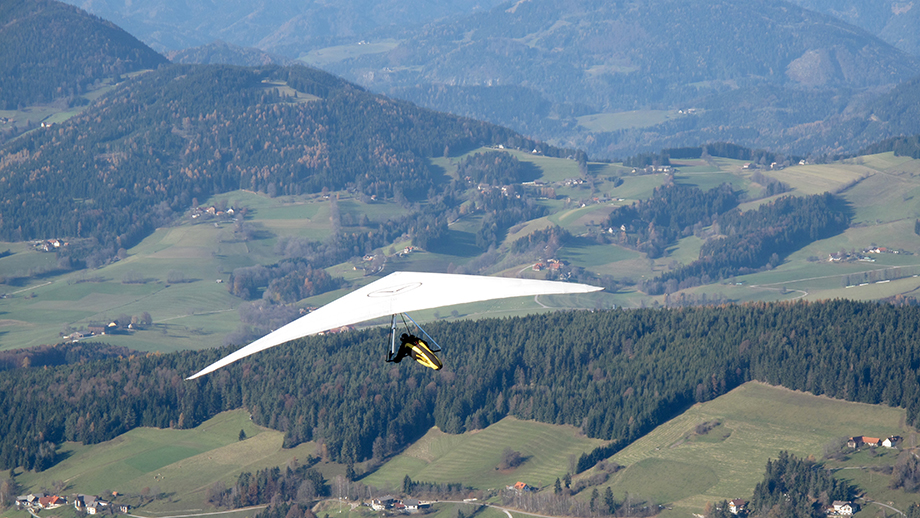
178	465
473	457
334	54
676	466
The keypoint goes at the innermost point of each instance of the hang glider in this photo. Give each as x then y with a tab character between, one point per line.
401	293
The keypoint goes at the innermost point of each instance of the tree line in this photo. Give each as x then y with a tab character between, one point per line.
297	483
673	211
615	374
791	488
714	149
758	238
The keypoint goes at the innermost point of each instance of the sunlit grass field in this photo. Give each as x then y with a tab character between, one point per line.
180	464
334	54
472	457
673	465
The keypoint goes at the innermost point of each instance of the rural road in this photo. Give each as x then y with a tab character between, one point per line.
886	506
506	510
214	513
203	514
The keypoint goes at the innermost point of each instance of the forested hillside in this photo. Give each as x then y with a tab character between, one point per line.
50	50
220	53
891	20
615	374
901	146
181	133
758	238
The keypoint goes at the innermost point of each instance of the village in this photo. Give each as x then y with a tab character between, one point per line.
406	505
89	504
863	256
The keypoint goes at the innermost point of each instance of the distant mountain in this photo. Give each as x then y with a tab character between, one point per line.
220	53
148	149
750	69
895	21
50	50
287	27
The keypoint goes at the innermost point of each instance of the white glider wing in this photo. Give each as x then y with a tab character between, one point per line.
401	292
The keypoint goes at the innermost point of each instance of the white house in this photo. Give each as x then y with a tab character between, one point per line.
737	506
891	442
844	508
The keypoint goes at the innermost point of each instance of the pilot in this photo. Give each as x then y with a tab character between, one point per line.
418	350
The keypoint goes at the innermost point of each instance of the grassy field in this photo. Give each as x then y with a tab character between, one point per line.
674	465
179	464
327	55
473	457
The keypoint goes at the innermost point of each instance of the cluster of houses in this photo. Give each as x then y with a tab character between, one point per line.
738	507
882	250
653	169
406	505
776	166
36	502
862	440
96	329
844	256
48	245
198	212
550	264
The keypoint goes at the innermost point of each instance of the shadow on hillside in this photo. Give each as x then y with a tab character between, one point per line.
457	243
530	172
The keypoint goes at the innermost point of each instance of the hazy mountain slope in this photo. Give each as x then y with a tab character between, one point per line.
220	53
50	50
792	66
286	27
894	21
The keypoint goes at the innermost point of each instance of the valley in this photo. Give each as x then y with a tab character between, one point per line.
742	178
198	312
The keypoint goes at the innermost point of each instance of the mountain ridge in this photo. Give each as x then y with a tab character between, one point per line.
659	55
75	51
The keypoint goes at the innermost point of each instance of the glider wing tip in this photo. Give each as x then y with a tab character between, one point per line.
198	374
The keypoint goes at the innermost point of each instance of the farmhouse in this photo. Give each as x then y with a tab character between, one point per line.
841	508
379	504
522	487
737	506
91	504
860	440
38	501
51	502
891	441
